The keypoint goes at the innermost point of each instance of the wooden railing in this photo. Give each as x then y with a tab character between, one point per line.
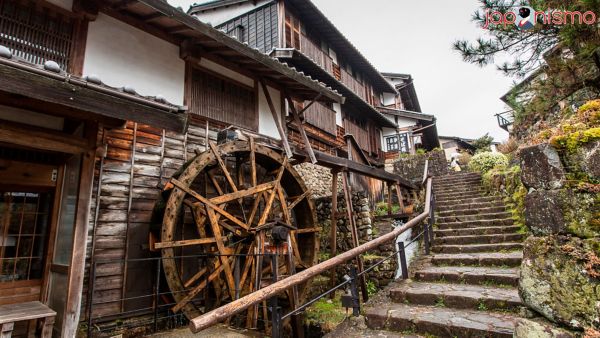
314	52
353	84
322	117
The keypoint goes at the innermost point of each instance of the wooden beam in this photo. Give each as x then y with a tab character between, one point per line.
278	123
39	138
307	146
400	199
299	199
389	198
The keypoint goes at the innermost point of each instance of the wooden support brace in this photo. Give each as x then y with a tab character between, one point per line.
277	119
309	150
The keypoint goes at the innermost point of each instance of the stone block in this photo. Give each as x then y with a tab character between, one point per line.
586	160
526	328
560	279
544	212
541	167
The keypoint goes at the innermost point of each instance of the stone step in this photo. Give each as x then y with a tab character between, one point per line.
457	182
482	215
479	259
478	239
466	200
474	248
454	179
488	203
472	211
475	224
464	187
453	193
477	231
457	296
469	274
441	322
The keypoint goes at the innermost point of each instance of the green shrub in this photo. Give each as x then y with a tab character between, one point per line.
484	162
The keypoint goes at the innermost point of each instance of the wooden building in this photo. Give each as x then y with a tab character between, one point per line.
101	102
299	34
414	129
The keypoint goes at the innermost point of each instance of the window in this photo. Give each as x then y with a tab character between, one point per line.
24	219
292	32
36	34
223	100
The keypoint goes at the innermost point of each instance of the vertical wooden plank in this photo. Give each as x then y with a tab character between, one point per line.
129	202
389	197
309	150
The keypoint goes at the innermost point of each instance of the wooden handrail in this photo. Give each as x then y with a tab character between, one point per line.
220	314
425	172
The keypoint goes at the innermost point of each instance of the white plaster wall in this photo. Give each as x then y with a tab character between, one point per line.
217	16
217	68
123	55
388	132
406	122
266	124
338	114
389	98
65	4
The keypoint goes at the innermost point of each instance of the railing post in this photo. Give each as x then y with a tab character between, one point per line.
431	218
91	298
402	255
426	236
157	294
275	311
236	275
354	292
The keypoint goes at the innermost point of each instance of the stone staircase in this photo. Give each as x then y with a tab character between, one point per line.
467	287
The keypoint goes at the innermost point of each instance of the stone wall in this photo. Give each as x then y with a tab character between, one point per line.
560	273
411	167
317	179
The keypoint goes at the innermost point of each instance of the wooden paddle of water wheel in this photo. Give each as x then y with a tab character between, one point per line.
238	203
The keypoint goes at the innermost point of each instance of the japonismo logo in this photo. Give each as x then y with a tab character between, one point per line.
525	17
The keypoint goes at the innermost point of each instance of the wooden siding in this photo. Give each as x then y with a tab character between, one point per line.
321	117
353	84
222	100
120	231
259	27
361	134
35	33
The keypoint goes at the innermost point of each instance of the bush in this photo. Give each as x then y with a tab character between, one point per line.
484	162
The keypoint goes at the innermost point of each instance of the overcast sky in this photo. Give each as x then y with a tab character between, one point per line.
415	37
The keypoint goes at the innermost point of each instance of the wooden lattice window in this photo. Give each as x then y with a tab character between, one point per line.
36	34
223	100
292	32
24	223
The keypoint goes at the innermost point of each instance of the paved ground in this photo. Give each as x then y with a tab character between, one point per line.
213	332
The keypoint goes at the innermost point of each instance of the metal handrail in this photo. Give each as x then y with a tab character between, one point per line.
220	314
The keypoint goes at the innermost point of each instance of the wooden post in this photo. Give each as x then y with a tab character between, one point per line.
354	232
333	233
389	197
400	199
282	134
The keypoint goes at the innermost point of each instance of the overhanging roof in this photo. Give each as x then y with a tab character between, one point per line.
296	58
407	114
87	95
161	18
407	90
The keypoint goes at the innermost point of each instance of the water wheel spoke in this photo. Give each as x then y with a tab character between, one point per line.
185	242
197	289
242	193
222	251
215	151
195	277
208	203
298	199
269	204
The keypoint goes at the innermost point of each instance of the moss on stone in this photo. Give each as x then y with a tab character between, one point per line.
507	183
556	280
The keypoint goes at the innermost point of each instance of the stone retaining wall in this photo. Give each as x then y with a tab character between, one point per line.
411	167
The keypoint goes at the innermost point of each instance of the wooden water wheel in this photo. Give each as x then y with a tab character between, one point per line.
230	203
